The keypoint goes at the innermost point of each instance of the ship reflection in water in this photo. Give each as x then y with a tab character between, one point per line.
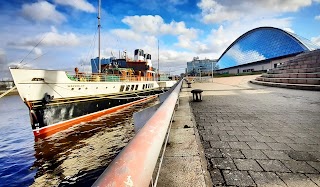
77	156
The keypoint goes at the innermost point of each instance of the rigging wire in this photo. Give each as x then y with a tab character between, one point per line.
32	49
35	58
92	47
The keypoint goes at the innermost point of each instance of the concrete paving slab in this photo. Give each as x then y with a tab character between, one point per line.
266	179
231	153
280	155
253	154
187	148
177	124
181	172
273	165
247	164
238	178
314	178
299	166
296	180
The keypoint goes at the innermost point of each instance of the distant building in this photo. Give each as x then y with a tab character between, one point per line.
121	63
199	67
261	49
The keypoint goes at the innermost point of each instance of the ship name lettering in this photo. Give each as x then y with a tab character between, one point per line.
75	85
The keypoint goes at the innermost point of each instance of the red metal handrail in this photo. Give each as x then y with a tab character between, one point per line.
135	164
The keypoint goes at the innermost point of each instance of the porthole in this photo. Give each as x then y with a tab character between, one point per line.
72	88
128	87
121	88
106	87
79	88
96	87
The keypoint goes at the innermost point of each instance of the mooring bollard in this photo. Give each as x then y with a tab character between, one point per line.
189	84
196	94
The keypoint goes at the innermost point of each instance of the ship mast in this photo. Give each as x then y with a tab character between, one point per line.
99	27
158	78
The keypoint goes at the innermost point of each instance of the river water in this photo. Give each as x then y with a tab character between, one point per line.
74	157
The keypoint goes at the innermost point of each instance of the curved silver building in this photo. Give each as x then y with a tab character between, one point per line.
261	49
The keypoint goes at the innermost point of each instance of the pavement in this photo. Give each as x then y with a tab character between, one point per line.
254	135
184	164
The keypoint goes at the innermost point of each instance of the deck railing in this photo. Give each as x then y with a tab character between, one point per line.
101	77
135	164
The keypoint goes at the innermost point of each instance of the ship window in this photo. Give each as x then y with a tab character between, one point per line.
121	88
128	87
79	88
143	87
132	87
106	87
136	87
72	88
96	87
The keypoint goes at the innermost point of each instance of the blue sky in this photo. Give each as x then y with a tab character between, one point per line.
184	28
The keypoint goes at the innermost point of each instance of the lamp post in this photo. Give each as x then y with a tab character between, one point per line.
200	67
212	70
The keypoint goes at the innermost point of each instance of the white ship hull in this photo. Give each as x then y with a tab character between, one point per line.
56	102
33	84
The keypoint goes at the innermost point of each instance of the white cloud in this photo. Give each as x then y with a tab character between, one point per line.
241	57
219	39
317	17
2	54
288	29
82	5
52	38
155	25
4	66
126	34
316	40
42	11
148	28
215	11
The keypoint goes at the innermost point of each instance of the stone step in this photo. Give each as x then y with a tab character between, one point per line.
292	75
314	81
292	66
304	70
290	86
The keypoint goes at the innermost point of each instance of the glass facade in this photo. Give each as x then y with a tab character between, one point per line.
204	66
262	44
